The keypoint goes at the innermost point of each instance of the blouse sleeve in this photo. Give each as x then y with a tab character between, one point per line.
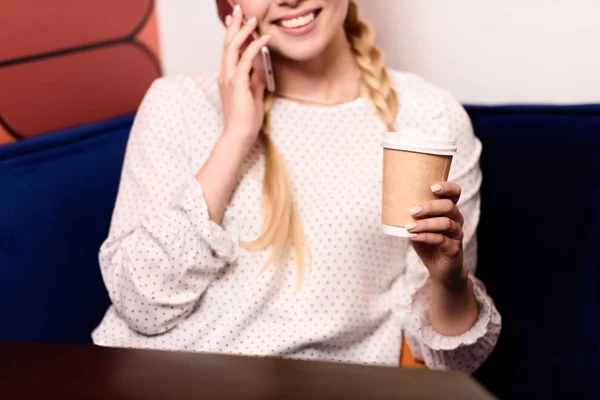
469	350
162	251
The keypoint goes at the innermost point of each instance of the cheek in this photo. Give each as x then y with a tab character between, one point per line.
341	8
254	8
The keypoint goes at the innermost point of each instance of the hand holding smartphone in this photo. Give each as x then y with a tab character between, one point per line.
241	83
264	66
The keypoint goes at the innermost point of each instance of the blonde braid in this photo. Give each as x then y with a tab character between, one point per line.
370	61
382	94
281	223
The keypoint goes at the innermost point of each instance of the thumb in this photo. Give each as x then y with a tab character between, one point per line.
257	85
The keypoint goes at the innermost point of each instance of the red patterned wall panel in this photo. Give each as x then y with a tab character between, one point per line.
69	62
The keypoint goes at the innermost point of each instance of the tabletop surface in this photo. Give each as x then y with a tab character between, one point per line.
48	371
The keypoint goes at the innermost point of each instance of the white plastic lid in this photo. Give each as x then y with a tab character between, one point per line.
414	140
395	231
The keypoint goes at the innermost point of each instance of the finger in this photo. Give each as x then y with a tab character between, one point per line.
449	247
438	208
245	65
442	225
448	190
235	23
233	49
435	208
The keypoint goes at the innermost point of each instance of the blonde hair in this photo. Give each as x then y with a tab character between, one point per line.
282	226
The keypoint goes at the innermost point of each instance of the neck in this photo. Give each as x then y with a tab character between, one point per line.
329	78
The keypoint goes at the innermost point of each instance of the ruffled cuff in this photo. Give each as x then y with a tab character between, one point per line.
421	328
191	200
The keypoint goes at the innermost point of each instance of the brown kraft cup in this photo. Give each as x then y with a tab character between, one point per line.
412	163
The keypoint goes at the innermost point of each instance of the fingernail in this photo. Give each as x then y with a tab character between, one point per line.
410	225
236	9
251	20
415	211
412	235
228	20
266	38
436	188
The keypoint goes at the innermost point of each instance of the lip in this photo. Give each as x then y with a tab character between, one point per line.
295	15
303	30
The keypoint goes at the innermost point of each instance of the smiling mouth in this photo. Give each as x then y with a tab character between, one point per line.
298	22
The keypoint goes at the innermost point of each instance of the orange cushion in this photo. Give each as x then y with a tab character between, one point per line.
406	358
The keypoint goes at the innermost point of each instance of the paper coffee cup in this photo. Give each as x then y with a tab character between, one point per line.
412	162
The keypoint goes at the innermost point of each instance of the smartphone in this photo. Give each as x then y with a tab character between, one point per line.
264	66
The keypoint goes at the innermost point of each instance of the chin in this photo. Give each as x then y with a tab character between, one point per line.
300	52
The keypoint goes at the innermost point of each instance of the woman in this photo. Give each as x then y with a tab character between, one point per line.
195	260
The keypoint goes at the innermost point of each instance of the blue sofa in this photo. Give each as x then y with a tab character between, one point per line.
539	241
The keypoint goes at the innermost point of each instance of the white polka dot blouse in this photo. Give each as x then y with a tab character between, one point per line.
179	281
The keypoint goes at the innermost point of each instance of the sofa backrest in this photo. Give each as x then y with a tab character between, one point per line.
539	248
58	192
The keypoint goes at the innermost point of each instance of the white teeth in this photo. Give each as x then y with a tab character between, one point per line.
298	22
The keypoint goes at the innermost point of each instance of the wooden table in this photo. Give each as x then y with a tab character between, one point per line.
56	371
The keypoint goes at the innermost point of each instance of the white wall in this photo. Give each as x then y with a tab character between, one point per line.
484	51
